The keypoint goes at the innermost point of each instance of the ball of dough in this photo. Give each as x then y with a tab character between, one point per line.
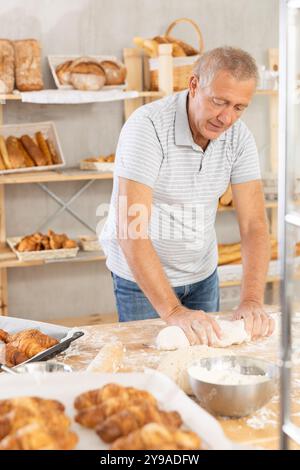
171	338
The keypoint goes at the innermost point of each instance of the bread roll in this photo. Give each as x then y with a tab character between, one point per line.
4	153
7	66
87	75
115	73
28	65
33	150
15	154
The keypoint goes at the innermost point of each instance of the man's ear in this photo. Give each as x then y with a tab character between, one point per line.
193	83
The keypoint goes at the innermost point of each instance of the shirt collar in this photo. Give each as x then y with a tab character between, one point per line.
183	134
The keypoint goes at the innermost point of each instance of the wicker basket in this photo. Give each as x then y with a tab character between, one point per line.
40	255
182	66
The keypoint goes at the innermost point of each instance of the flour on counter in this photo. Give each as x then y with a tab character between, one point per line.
225	377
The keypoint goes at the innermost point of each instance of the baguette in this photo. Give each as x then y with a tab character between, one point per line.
2	166
43	147
16	155
33	150
54	156
28	160
4	153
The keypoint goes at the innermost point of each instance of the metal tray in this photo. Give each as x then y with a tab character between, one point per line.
64	335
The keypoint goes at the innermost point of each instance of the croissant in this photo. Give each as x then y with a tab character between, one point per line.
155	436
14	356
98	396
33	423
35	404
36	437
90	417
3	335
22	416
31	342
56	240
135	417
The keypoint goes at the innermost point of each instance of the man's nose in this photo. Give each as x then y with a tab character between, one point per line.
226	117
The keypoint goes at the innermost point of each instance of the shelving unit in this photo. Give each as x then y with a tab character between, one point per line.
133	97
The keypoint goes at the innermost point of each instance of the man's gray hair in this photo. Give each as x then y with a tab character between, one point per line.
240	64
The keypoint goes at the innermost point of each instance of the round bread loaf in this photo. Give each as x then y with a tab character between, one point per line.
115	72
87	75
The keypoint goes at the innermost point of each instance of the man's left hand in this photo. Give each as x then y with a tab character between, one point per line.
257	322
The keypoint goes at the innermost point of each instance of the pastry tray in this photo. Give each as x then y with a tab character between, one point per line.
64	335
168	394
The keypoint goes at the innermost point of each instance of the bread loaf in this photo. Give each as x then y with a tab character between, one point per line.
28	65
63	72
7	64
87	74
33	150
115	73
15	154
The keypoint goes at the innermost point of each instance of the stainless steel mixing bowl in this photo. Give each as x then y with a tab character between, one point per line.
234	400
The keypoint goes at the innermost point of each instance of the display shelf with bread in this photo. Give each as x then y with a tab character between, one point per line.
29	148
8	259
65	174
137	94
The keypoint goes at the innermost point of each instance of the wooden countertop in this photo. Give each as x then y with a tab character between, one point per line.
260	429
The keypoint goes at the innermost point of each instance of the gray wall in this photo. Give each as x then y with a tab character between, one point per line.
105	27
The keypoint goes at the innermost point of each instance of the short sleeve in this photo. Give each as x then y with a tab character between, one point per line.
246	159
139	152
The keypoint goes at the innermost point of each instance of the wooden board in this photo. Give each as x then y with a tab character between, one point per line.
259	429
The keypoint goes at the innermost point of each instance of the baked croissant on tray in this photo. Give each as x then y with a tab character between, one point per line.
23	345
33	423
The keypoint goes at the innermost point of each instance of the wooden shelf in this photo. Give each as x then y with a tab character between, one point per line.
10	97
56	96
268	204
9	260
68	174
267	92
270	279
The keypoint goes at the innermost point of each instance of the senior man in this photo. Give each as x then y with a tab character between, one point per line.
174	159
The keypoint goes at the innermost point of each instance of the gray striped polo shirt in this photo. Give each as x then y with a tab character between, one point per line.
156	148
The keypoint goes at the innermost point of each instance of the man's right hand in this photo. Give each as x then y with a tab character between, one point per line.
196	324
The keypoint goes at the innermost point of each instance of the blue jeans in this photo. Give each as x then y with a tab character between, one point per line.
132	304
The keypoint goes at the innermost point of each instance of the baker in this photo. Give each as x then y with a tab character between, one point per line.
175	158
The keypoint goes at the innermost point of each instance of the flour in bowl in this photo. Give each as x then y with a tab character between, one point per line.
231	376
